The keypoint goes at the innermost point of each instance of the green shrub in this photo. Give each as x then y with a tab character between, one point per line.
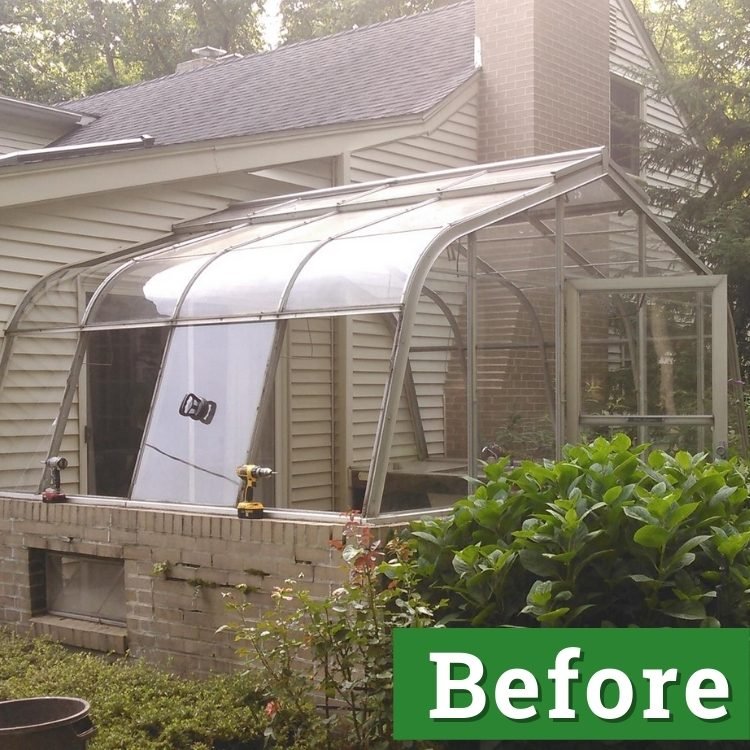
609	536
137	706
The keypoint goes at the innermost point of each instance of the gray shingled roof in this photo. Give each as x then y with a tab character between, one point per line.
392	69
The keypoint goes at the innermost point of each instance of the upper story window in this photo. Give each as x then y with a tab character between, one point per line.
624	124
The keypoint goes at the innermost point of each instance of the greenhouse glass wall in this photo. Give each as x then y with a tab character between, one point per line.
372	344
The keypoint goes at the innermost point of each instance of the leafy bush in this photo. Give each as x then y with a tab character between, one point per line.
336	650
137	706
609	536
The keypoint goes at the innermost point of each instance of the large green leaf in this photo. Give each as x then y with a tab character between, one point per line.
686	610
651	536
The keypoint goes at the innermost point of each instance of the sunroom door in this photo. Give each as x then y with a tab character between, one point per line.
648	357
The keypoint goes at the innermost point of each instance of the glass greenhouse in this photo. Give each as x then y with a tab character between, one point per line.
373	344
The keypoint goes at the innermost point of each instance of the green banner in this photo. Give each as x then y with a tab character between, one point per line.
578	684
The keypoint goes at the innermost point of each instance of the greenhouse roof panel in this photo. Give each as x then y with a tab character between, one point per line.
342	249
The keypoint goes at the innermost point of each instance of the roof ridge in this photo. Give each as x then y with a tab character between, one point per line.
262	53
357	29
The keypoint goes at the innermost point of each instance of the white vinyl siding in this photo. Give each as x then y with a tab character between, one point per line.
430	369
630	60
37	239
17	135
453	144
311	418
372	347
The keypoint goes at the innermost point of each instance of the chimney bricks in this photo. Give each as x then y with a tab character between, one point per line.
545	80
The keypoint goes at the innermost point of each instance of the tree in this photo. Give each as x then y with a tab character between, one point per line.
52	50
706	45
307	19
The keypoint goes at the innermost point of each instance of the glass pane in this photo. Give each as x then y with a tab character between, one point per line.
146	290
371	350
122	368
436	213
244	282
30	399
677	352
670	438
427	463
87	587
326	226
203	415
60	302
604	245
359	272
662	260
212	243
433	474
515	342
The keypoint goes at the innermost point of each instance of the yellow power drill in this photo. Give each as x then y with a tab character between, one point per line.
246	506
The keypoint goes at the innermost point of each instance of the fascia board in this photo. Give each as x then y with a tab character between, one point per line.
38	112
74	176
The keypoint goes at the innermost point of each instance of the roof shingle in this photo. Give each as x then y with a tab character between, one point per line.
393	69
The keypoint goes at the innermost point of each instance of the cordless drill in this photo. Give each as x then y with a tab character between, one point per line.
246	506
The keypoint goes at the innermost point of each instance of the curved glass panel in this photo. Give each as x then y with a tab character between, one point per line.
359	271
61	303
203	415
249	281
146	290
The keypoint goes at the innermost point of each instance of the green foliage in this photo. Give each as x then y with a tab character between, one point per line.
51	50
609	536
307	19
137	706
336	649
706	47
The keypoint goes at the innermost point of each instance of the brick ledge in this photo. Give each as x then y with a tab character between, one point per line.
82	633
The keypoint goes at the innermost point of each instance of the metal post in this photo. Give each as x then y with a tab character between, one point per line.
719	395
472	440
559	325
642	384
700	384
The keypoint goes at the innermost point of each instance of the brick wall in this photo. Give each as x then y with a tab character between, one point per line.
172	611
545	82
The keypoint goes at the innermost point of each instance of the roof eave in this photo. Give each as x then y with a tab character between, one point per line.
39	112
43	181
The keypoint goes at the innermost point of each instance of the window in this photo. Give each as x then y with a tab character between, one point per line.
625	122
90	588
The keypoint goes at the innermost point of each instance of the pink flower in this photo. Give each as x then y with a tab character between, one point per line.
271	708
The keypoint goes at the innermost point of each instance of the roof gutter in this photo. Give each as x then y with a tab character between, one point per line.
88	149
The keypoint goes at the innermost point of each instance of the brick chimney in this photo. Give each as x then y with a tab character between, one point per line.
545	80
